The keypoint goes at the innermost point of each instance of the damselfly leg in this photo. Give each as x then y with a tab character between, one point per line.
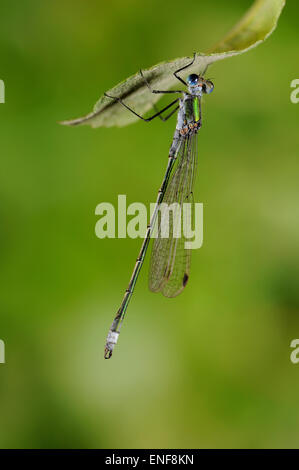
138	115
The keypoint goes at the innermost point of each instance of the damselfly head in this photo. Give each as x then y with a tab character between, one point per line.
198	84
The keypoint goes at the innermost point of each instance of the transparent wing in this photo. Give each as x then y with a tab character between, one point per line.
170	260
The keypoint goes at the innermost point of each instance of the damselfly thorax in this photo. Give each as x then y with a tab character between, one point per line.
189	112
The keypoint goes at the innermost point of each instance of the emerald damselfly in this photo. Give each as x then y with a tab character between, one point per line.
170	259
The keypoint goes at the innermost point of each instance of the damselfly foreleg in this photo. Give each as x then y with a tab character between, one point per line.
160	91
119	100
183	68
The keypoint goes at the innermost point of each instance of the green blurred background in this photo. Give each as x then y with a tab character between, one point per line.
210	368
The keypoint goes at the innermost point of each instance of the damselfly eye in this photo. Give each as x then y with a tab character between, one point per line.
208	86
192	79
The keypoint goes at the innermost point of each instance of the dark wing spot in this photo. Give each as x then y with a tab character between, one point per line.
185	279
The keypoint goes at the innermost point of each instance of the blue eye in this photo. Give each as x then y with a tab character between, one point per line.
208	86
192	79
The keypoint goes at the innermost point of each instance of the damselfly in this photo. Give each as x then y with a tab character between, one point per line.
170	260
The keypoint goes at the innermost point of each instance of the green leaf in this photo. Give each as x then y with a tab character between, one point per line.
253	28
